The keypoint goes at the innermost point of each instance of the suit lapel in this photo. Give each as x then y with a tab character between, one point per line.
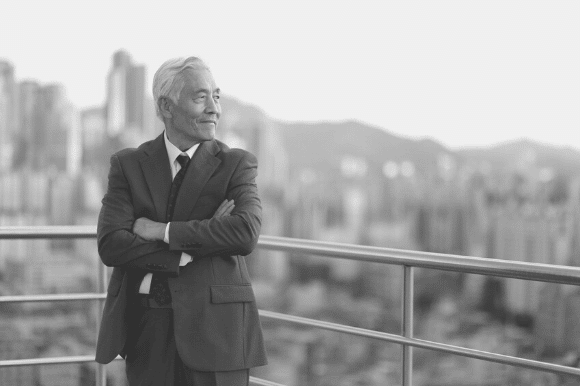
200	169
157	173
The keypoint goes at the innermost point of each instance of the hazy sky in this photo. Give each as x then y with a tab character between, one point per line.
463	72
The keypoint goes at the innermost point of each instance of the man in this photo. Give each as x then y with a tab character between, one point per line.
179	214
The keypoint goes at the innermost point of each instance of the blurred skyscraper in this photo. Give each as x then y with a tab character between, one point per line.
60	130
48	134
7	114
29	138
128	107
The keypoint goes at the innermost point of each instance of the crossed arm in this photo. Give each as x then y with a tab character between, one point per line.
130	242
155	231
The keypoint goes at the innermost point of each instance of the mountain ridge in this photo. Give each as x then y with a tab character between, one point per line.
322	145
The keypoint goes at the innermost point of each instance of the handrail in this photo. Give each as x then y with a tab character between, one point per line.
90	359
457	263
263	382
52	297
422	343
447	262
48	232
405	258
50	361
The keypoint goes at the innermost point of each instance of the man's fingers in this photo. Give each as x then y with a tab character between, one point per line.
221	208
229	210
225	208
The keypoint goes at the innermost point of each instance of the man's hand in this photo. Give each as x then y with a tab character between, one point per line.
148	229
225	209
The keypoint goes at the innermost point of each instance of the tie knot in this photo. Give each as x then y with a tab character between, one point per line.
183	160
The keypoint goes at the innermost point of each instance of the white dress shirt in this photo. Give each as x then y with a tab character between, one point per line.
172	152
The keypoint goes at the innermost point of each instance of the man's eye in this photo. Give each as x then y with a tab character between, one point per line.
199	98
216	97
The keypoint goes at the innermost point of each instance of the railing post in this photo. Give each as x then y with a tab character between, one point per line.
407	324
101	373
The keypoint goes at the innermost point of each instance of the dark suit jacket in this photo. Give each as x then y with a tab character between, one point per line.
216	320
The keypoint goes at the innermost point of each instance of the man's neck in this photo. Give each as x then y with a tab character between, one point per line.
180	143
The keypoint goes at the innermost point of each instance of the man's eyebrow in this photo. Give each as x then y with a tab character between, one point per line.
205	90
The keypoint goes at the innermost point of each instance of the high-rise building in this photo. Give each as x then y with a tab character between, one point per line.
48	132
30	137
7	114
52	129
64	200
96	148
74	143
127	105
94	126
136	95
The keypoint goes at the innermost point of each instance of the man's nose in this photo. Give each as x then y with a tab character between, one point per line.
211	106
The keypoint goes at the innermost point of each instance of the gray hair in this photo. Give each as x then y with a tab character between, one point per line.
168	81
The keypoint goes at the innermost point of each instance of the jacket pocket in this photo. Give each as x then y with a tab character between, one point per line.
231	293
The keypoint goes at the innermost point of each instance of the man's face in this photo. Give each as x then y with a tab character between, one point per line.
195	116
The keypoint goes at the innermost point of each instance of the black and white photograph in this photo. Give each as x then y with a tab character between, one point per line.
290	193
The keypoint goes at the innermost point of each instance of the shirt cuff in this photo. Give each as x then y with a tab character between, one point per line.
166	237
185	259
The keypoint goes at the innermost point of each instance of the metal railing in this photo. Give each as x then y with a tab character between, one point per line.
407	259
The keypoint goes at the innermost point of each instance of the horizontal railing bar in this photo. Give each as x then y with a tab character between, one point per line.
462	351
48	232
52	297
457	263
50	361
263	382
89	359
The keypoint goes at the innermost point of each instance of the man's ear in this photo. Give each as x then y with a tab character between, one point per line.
165	107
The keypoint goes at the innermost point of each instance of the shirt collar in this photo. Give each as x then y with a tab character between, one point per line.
173	151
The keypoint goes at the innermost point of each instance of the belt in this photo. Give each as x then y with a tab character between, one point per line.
146	300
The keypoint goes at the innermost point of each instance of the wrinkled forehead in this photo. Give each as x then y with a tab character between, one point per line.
198	78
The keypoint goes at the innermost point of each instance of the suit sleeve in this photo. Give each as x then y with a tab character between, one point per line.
236	234
118	245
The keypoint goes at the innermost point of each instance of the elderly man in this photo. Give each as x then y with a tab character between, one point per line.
179	214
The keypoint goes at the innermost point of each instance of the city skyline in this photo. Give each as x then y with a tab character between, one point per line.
390	195
463	74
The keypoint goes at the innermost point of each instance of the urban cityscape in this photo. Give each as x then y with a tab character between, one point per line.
366	187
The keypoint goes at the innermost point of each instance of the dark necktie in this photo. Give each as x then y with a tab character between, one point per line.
159	286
